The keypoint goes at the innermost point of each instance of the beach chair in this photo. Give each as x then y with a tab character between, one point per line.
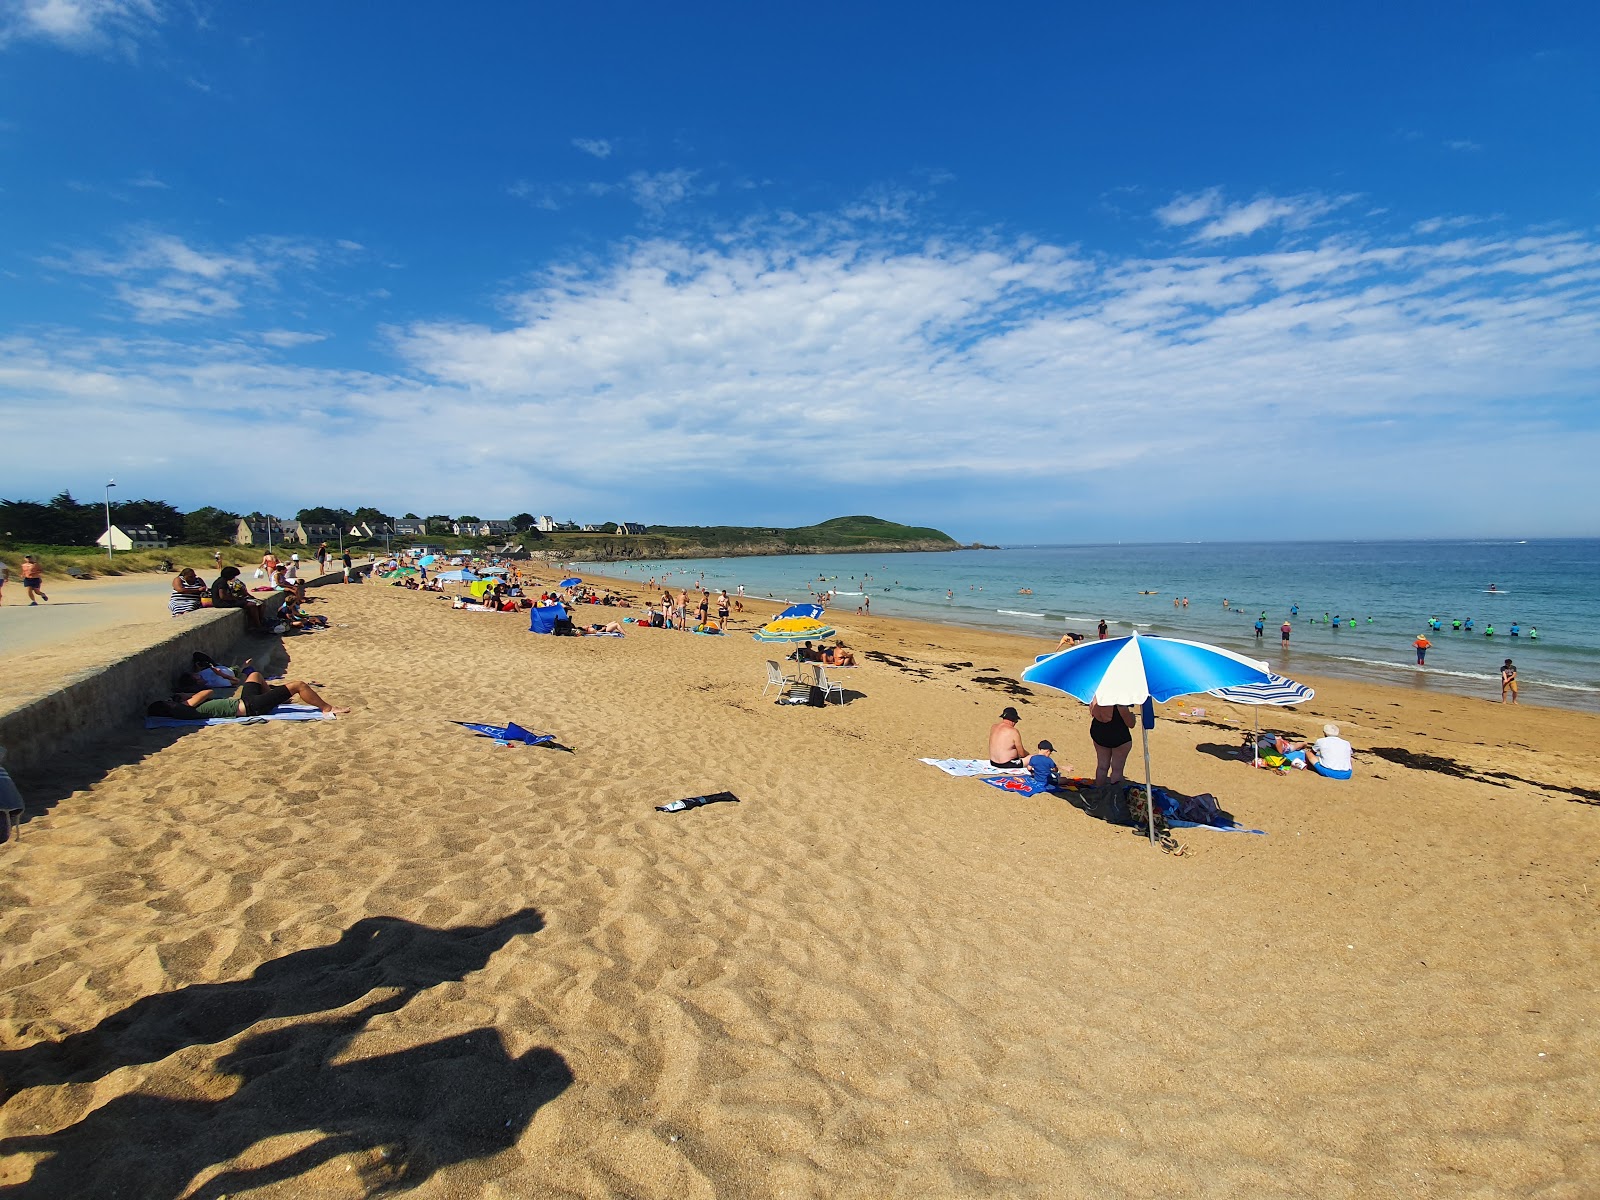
776	678
828	686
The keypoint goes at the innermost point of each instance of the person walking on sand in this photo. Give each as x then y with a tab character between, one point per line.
33	580
1422	643
1102	628
322	559
216	557
5	574
269	563
1508	682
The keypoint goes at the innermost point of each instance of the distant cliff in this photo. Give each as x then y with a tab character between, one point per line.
841	535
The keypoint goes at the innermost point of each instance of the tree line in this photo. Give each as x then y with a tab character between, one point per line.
65	521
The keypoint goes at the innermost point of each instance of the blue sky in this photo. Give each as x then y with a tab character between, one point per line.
1026	273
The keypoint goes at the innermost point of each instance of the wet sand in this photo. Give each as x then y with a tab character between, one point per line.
314	959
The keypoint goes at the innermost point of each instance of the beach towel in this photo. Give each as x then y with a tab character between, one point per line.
1022	785
972	768
1175	823
284	712
509	734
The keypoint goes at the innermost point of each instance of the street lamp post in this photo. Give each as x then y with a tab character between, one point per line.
110	483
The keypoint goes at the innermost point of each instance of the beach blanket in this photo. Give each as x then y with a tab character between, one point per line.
1024	785
284	712
509	734
972	768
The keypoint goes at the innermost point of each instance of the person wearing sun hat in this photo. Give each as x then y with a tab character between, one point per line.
1005	744
1330	755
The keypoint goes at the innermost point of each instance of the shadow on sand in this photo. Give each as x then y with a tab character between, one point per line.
414	1111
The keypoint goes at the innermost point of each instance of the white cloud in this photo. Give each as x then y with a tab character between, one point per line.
1218	220
79	24
1462	145
161	277
598	147
288	339
956	370
657	191
147	180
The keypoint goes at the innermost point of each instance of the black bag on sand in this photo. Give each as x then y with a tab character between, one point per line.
1109	804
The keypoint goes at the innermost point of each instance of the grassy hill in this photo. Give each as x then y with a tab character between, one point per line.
838	536
841	533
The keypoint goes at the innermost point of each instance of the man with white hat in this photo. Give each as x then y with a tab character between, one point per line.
1330	754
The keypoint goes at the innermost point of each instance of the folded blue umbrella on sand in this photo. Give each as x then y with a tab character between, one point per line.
508	734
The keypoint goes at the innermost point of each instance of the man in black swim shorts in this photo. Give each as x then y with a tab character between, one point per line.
255	697
1005	744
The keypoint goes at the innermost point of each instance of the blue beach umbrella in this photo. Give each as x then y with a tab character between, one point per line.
570	581
1277	690
1134	669
461	576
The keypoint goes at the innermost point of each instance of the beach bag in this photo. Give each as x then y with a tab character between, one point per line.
1109	804
816	697
1202	809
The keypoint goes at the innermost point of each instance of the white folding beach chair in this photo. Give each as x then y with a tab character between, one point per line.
776	678
828	686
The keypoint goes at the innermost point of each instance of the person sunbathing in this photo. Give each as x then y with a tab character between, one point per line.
587	630
254	698
839	656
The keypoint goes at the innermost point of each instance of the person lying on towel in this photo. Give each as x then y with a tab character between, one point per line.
254	698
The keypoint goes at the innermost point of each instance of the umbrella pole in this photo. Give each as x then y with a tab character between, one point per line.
1149	798
1255	742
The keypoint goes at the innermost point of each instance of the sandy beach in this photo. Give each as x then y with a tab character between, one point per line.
318	959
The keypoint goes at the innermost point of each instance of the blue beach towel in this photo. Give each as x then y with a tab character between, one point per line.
284	712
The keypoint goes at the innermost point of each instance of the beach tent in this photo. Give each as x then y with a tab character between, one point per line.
480	588
543	618
1135	669
462	576
1277	690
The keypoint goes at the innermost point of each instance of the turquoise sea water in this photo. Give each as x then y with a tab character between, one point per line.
1390	588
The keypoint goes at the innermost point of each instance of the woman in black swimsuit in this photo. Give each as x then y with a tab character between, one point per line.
1108	730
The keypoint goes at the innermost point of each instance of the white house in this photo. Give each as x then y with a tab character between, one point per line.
545	524
134	537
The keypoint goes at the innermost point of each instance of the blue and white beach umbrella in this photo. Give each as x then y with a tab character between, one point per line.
1277	690
1134	669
